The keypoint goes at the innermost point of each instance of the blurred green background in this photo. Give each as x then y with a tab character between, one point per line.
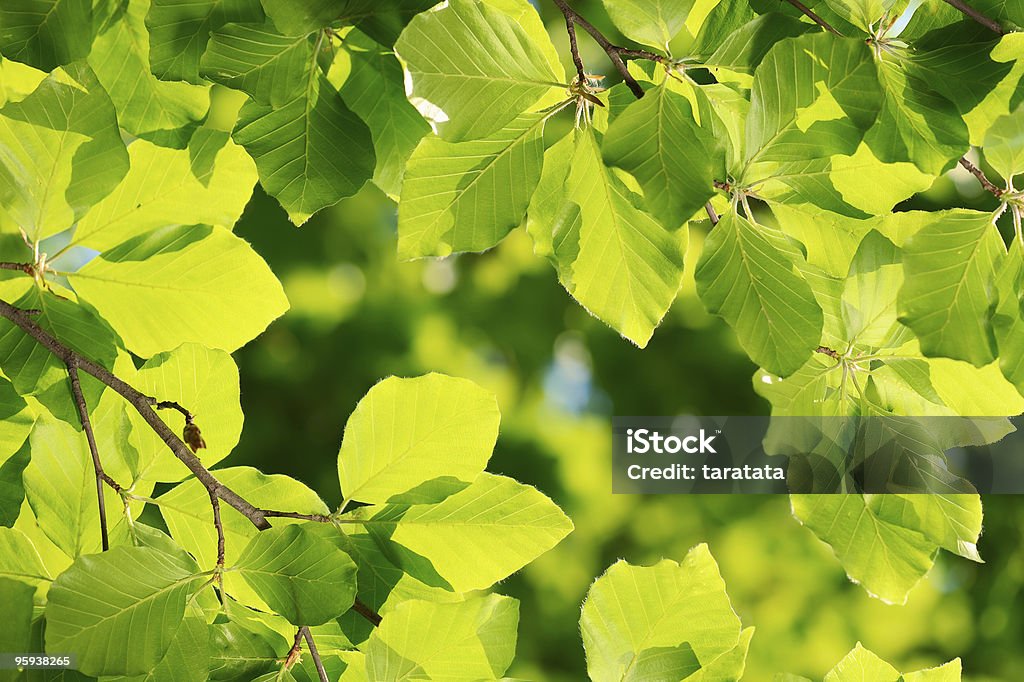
501	319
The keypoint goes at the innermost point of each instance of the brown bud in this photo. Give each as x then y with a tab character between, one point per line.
193	436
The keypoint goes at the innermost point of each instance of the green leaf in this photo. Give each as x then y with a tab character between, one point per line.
182	284
20	561
861	13
46	33
729	665
16	420
916	124
205	382
1007	320
17	600
179	31
651	22
163	188
861	664
164	113
466	196
63	153
617	260
470	640
187	513
118	611
498	524
814	95
237	653
306	579
407	432
658	142
60	482
302	18
751	276
258	60
12	486
741	49
948	295
374	90
886	559
311	152
670	605
475	66
32	369
1004	144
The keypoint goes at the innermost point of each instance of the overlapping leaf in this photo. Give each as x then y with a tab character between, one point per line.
466	196
417	440
182	284
474	66
498	524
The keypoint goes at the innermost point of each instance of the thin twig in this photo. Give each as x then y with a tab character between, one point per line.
812	15
314	653
614	52
366	612
273	513
27	268
574	48
985	182
171	405
967	10
295	652
712	214
215	504
825	350
83	416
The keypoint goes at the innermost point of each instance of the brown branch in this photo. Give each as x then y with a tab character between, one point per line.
712	214
813	16
574	48
614	52
295	652
985	182
101	477
967	10
143	405
314	653
27	268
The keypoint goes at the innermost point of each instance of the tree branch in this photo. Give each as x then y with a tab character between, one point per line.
314	653
985	182
27	268
968	11
143	405
712	214
101	477
614	52
813	16
366	612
